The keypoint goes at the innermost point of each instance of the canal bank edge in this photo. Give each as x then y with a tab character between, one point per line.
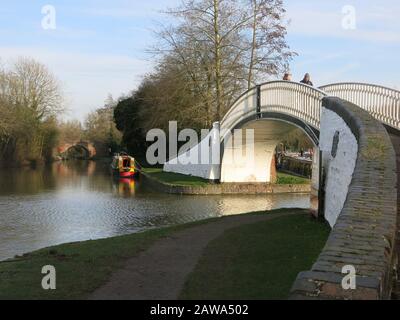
225	188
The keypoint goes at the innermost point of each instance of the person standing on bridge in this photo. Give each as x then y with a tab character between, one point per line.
307	80
287	77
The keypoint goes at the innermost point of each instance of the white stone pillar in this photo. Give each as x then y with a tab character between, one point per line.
215	146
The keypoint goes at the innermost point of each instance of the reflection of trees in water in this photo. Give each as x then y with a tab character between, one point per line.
26	180
94	175
55	176
74	168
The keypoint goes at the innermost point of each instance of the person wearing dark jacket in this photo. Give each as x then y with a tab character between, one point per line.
307	80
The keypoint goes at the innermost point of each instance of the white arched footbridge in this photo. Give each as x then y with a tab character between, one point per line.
272	109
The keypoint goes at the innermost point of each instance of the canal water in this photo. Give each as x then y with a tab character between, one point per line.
74	201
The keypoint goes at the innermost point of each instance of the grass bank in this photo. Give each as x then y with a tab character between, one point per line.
285	178
177	179
257	261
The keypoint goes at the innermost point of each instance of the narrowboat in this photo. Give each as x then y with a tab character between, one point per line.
124	166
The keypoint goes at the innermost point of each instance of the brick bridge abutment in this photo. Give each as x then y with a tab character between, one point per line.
364	219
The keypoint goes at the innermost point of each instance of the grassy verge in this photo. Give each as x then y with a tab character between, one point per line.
257	261
184	180
284	178
174	178
81	267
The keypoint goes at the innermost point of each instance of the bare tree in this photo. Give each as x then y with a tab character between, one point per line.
70	131
269	53
30	99
100	126
36	88
168	94
207	43
210	54
225	46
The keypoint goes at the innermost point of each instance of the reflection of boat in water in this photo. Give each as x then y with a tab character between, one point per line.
124	187
124	166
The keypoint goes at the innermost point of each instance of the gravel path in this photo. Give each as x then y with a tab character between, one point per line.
159	273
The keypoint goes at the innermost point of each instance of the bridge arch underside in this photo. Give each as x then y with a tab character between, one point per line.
269	131
78	152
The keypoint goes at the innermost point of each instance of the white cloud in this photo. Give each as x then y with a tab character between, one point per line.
373	23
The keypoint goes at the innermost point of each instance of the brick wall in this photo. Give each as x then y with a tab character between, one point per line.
364	233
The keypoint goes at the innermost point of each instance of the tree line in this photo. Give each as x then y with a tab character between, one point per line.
31	103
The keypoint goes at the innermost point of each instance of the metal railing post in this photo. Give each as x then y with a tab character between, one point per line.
258	107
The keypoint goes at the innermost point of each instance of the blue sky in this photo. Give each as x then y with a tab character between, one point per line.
99	47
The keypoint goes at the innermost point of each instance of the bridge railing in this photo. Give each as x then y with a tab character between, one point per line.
291	98
295	99
245	106
381	102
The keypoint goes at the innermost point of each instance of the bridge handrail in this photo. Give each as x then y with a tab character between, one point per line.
381	102
323	88
251	93
298	84
303	103
282	103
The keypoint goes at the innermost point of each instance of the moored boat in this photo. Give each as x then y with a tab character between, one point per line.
124	166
